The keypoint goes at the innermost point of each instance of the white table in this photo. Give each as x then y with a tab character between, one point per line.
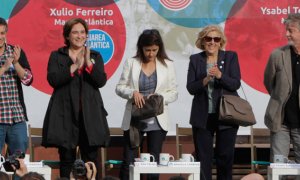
135	172
45	171
275	172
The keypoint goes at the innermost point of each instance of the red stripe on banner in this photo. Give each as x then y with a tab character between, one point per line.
175	4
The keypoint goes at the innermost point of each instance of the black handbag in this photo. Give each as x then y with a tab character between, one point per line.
236	111
154	106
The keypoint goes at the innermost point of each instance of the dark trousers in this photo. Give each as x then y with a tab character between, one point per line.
155	141
224	148
68	156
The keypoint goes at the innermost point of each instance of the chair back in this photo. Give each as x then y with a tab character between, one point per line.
259	138
113	132
33	132
181	131
34	139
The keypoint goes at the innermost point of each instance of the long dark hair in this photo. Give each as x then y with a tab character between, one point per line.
151	37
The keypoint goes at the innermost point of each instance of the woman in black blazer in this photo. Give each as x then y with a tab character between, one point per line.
211	73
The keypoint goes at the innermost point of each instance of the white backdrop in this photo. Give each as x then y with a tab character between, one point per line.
179	42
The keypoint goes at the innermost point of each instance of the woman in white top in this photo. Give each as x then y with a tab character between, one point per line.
149	72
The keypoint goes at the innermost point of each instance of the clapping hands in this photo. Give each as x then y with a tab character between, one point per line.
83	58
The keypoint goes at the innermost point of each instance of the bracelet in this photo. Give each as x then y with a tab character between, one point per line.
25	75
92	61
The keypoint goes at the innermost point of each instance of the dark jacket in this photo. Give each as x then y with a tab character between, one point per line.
59	128
229	82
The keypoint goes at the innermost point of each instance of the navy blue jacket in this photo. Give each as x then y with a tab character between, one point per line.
229	82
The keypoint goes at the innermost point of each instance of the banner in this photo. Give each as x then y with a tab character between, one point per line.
253	29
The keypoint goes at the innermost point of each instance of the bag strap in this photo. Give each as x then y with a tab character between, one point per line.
241	83
134	137
242	91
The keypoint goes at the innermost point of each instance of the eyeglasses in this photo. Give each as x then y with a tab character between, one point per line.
209	39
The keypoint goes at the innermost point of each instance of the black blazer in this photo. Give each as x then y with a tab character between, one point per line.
229	82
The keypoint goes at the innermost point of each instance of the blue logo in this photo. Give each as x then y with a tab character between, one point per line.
100	41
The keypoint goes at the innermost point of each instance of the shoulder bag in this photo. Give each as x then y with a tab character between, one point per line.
235	110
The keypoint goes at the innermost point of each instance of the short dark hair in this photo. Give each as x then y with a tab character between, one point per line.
32	175
151	37
4	23
69	25
110	178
